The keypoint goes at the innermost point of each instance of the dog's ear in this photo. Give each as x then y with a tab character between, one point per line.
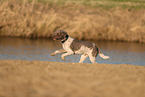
60	32
64	32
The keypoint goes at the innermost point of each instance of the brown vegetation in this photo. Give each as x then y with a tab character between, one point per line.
35	19
56	79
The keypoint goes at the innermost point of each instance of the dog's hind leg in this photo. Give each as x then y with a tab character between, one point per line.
92	59
83	57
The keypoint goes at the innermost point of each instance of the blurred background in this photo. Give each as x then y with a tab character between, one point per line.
117	27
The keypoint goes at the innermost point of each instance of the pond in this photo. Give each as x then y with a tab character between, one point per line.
40	49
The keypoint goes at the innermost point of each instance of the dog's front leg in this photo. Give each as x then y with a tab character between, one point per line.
64	55
58	51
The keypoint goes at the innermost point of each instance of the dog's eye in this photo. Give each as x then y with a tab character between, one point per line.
58	34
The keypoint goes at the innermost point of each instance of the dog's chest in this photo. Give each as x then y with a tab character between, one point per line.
66	45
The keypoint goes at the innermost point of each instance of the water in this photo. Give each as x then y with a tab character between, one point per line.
40	49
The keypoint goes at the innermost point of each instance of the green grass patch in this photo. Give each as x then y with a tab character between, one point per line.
105	4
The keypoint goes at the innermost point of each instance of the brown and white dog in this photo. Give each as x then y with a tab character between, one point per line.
74	46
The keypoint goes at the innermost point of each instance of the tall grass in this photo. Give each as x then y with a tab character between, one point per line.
36	19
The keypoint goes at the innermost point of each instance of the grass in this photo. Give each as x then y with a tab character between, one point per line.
83	19
105	4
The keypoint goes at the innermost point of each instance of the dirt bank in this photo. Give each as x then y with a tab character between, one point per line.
37	19
51	79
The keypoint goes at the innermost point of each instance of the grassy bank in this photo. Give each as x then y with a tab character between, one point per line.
55	79
117	20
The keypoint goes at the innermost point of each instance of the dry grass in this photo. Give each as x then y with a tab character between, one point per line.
36	19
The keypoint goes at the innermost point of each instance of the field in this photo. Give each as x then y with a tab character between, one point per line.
55	79
111	20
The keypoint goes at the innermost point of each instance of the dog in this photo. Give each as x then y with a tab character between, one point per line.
74	46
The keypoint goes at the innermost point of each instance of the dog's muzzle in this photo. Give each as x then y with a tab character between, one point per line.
57	37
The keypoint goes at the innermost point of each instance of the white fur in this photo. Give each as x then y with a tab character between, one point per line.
66	45
103	56
83	57
84	50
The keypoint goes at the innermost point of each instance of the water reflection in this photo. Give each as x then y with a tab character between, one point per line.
40	49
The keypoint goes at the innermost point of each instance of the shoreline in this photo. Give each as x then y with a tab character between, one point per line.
58	79
50	38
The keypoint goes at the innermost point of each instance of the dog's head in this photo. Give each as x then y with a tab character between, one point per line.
60	35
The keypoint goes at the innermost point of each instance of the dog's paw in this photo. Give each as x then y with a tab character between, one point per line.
63	58
53	54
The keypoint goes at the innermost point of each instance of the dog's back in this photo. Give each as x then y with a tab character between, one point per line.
84	47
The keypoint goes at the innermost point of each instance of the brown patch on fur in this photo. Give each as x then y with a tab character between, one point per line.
76	44
95	51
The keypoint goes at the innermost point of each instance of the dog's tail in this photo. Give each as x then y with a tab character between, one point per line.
102	55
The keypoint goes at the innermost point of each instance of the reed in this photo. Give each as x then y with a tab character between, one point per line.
38	19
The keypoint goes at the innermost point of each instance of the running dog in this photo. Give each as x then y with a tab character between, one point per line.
74	46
